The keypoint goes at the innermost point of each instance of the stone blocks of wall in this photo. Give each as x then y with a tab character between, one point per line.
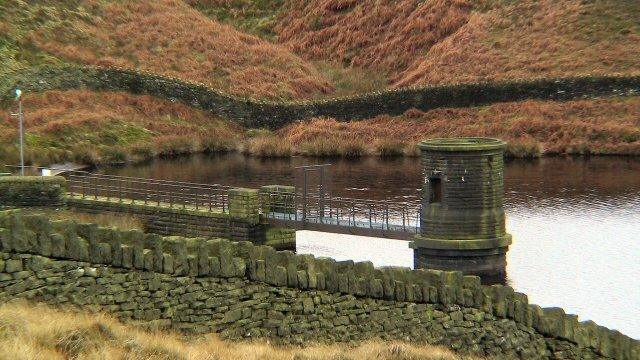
281	238
278	199
177	221
192	259
238	308
162	220
32	191
244	204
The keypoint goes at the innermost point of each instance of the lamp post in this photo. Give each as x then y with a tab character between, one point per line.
20	120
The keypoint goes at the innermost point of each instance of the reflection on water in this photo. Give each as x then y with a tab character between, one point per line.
575	222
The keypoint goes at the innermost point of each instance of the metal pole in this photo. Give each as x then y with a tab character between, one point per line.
321	204
20	116
386	212
304	196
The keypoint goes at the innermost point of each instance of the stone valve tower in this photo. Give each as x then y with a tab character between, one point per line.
462	224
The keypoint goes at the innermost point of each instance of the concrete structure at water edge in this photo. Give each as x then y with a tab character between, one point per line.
462	224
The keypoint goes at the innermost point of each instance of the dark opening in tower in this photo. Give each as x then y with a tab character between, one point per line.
435	186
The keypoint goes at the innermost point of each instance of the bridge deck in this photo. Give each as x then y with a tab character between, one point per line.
341	226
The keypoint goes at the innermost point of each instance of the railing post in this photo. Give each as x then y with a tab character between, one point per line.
353	212
404	227
224	203
304	196
131	193
386	212
84	189
210	199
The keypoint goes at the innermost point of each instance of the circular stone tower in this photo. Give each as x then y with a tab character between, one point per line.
462	224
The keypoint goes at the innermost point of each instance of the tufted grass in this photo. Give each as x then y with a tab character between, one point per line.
106	127
444	41
163	36
103	127
120	221
36	331
531	128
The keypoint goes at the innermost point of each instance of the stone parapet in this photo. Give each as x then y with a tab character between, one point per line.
208	262
16	191
244	204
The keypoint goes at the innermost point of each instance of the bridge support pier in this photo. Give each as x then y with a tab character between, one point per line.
462	224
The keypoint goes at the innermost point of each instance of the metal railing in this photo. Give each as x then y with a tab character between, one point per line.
389	214
172	194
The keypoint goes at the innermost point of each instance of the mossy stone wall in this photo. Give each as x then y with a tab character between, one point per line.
246	291
260	114
16	191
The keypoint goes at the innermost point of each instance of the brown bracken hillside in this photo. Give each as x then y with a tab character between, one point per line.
439	41
532	128
90	127
163	36
289	49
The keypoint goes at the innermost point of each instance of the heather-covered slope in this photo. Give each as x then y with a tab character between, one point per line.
165	36
531	128
343	47
94	127
437	41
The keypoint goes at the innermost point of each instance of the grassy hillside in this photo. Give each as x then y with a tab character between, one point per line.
282	49
38	332
532	128
90	127
438	41
164	36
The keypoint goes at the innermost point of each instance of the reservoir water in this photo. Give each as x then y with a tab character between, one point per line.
575	221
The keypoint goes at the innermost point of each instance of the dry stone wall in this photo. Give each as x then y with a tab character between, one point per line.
175	221
259	113
17	191
244	291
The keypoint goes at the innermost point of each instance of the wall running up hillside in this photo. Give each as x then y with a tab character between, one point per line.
245	291
256	113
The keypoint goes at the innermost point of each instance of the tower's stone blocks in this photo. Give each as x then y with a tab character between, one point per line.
462	225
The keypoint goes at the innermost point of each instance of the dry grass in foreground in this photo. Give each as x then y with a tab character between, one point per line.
31	332
120	221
